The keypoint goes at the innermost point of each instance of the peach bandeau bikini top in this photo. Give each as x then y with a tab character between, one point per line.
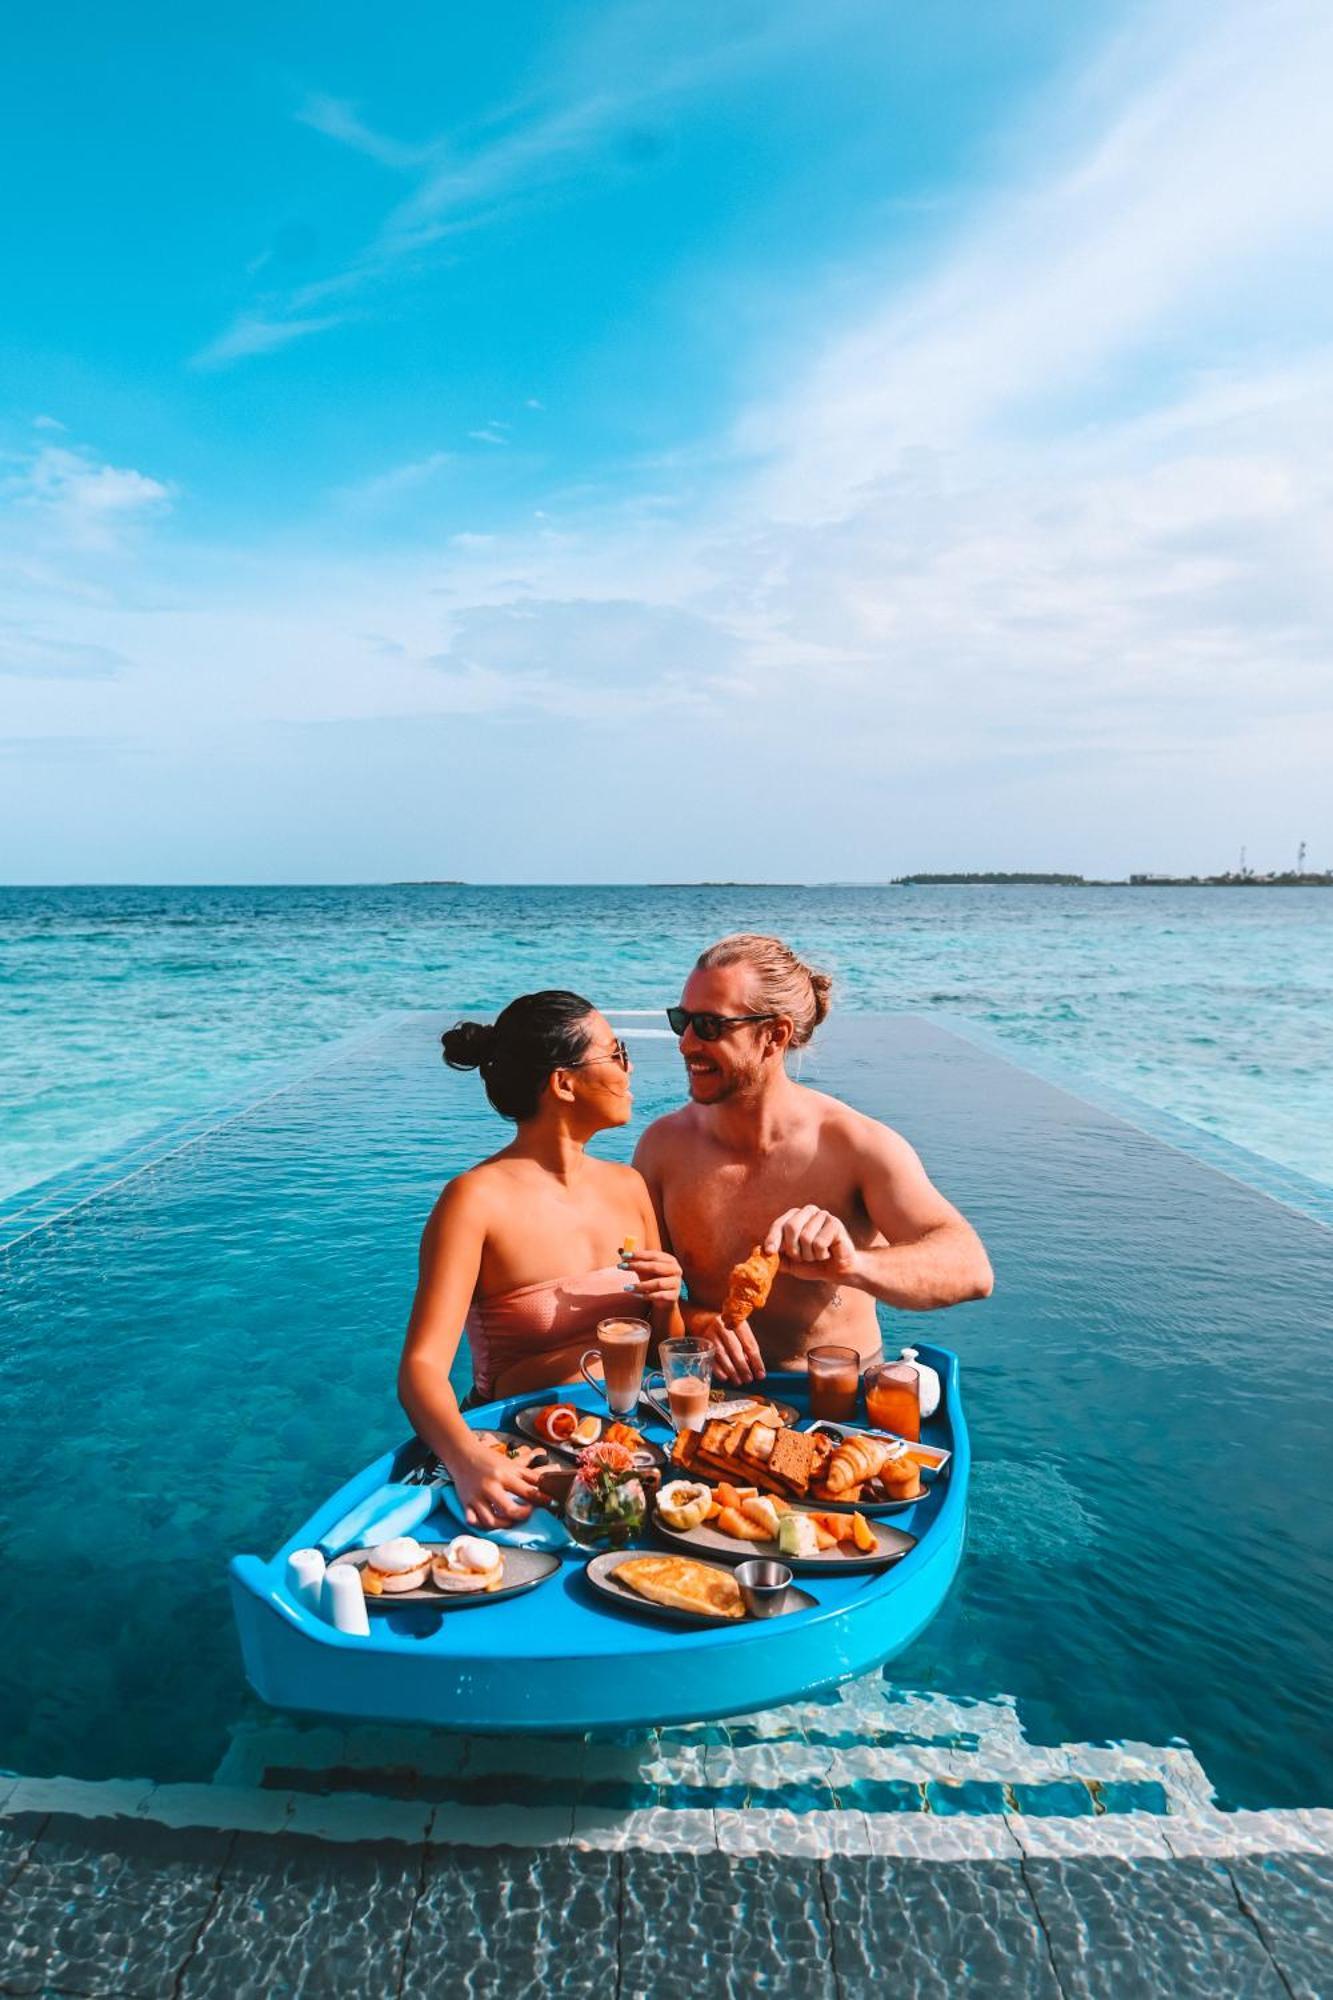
509	1327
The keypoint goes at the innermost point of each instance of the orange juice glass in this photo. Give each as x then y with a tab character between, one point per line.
893	1402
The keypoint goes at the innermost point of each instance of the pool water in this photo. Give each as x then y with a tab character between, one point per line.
198	1352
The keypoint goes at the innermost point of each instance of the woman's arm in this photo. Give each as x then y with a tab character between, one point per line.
494	1491
656	1272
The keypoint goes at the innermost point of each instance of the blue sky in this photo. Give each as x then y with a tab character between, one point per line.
600	442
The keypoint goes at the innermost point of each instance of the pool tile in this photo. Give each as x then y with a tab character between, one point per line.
295	1915
971	1796
502	1825
526	1926
1290	1898
240	1807
79	1798
673	1829
925	1837
1119	1834
811	1834
1150	1928
358	1816
695	1925
107	1906
1067	1799
17	1835
914	1928
1244	1833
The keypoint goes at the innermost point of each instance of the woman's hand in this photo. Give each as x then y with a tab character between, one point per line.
657	1277
736	1355
495	1491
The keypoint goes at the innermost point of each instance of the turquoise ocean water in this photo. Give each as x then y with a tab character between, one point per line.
120	1008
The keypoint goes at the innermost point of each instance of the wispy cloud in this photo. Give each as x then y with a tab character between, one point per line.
43	656
337	119
251	334
396	483
88	500
632	64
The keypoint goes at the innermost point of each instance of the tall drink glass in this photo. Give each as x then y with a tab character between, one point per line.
835	1377
687	1374
893	1399
622	1348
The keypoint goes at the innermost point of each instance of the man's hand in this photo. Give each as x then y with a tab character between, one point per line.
813	1244
736	1356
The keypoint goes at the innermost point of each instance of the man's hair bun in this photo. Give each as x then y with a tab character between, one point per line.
468	1043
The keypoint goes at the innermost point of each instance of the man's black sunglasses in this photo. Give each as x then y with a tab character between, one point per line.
709	1027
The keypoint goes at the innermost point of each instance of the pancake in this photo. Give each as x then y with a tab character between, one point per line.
683	1585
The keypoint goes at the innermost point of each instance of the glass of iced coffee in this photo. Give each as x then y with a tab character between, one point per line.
622	1349
687	1375
835	1377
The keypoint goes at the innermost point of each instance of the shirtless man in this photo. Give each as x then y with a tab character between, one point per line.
756	1158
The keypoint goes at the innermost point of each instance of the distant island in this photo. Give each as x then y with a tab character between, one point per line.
1236	878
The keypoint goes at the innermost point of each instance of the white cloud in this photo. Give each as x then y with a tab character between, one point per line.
1040	546
252	333
86	501
385	488
339	120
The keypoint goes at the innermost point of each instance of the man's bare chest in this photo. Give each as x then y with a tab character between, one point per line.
717	1212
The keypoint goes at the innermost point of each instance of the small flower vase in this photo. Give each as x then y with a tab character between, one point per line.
607	1504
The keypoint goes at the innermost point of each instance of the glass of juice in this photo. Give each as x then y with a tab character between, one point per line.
835	1377
622	1349
687	1374
893	1401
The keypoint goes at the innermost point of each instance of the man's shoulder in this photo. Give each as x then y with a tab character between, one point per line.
672	1129
844	1125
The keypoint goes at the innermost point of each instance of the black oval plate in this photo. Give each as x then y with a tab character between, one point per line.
524	1569
709	1544
651	1454
601	1575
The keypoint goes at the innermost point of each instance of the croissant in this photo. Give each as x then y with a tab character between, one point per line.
749	1285
854	1463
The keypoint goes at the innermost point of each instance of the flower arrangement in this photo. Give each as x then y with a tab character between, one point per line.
607	1502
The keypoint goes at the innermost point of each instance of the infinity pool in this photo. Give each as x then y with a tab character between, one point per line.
195	1352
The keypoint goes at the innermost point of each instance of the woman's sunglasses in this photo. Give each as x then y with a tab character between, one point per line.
617	1053
709	1027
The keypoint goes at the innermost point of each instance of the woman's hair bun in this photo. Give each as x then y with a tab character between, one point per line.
822	987
468	1043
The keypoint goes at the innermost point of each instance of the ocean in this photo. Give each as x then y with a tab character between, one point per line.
123	1007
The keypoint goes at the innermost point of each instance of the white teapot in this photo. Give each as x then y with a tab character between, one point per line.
927	1382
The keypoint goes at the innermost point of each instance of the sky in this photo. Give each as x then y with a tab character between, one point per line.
552	442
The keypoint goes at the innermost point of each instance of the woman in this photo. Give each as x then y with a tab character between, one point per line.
522	1250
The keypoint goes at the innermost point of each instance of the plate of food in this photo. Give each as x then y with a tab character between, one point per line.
858	1473
931	1458
448	1576
678	1588
564	1428
736	1523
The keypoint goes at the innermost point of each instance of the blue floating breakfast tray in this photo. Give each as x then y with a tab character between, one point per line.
560	1658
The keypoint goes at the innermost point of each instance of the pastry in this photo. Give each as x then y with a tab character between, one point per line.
401	1564
468	1564
682	1584
683	1504
856	1461
749	1285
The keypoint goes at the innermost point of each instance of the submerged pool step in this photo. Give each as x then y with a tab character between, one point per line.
868	1749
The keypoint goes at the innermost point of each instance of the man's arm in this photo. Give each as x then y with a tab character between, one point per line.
932	1257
